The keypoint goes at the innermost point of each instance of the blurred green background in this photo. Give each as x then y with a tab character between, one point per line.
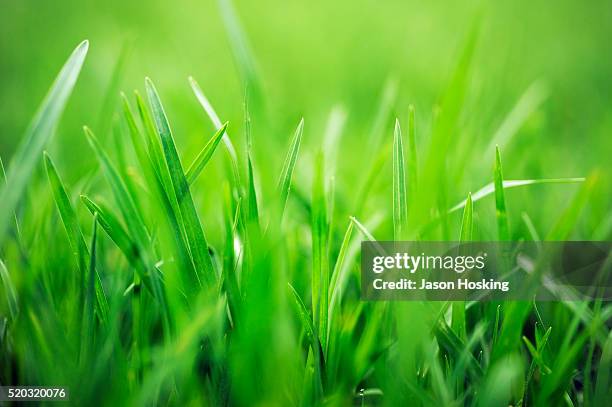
312	56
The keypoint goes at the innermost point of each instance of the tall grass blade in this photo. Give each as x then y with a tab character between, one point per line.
40	130
320	259
284	183
400	203
189	217
240	49
87	336
412	166
503	229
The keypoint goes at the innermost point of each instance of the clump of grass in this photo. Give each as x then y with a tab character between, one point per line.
158	309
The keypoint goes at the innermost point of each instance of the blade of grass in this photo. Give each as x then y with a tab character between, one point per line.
284	183
40	130
458	323
507	184
189	217
400	209
311	334
75	236
214	118
205	155
529	101
9	290
412	176
320	262
503	229
87	334
241	50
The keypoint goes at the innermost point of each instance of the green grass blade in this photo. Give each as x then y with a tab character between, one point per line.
75	235
458	323
400	206
214	118
240	49
467	221
412	166
320	260
87	335
503	229
40	130
115	231
205	155
508	184
311	334
284	184
526	105
189	217
566	223
387	99
9	290
124	200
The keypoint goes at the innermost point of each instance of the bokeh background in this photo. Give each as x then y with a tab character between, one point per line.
312	56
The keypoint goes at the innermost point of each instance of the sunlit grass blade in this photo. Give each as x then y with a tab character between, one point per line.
40	130
75	236
400	206
205	155
9	291
189	217
284	184
320	259
503	229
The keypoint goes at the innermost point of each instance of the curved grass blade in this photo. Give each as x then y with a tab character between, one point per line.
490	188
75	236
400	209
284	184
116	232
205	155
40	130
189	217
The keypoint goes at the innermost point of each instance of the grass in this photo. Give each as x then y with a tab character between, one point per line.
131	294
